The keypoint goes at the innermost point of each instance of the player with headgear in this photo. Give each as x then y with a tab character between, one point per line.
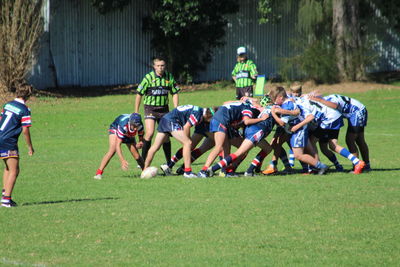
123	131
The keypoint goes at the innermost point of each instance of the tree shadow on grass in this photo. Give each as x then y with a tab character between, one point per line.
91	91
68	200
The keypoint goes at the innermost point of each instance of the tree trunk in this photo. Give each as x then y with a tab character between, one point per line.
347	37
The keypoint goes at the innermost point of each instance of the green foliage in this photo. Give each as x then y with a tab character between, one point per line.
185	32
315	61
106	6
271	11
66	218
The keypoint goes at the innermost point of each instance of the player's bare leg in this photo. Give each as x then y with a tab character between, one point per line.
219	139
12	166
330	155
159	140
187	145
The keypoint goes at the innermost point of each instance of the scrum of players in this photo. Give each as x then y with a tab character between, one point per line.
299	121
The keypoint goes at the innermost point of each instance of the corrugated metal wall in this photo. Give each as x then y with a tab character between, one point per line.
265	43
84	48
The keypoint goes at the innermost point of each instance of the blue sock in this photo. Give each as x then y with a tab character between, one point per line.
345	153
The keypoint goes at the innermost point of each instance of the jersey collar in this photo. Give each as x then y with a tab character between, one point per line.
20	100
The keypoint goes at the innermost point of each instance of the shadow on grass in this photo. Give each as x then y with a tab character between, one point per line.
68	200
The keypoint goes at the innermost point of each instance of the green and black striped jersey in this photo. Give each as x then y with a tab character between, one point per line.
243	72
155	88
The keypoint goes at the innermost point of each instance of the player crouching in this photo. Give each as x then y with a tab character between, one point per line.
177	123
123	130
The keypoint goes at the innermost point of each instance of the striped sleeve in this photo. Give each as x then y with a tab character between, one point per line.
253	69
121	132
143	85
247	113
26	119
174	87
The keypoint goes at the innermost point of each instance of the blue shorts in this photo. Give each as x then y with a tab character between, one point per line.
216	126
358	118
254	134
166	125
299	138
5	154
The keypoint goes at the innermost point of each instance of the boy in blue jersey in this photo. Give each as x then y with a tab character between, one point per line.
231	113
177	123
297	125
15	118
328	134
357	116
123	131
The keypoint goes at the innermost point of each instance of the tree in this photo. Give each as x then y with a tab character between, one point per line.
21	27
185	32
335	24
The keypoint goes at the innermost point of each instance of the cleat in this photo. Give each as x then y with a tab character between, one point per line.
323	170
189	175
222	174
367	168
231	174
270	170
203	174
339	168
98	177
358	168
167	170
180	171
288	170
249	174
8	204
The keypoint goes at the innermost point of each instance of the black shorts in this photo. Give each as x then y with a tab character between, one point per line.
324	135
155	112
244	91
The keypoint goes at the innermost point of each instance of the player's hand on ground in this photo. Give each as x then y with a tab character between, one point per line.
31	151
124	165
139	145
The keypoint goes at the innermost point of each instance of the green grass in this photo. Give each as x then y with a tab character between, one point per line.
68	218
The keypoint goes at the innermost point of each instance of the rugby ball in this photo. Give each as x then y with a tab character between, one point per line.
149	172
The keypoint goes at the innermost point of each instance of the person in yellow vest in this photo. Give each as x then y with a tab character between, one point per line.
244	74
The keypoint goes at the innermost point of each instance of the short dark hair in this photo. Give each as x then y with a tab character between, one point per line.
158	58
24	91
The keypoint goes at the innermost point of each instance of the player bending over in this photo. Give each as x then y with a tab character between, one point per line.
177	123
254	136
123	131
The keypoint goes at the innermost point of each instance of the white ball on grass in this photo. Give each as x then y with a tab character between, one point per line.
149	172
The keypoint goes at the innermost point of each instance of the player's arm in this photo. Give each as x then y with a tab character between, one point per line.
124	163
175	100
249	121
137	102
278	120
307	120
27	135
294	112
324	102
253	71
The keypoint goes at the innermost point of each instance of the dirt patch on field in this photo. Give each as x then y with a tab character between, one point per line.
348	87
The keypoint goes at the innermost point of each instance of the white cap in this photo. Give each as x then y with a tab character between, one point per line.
241	50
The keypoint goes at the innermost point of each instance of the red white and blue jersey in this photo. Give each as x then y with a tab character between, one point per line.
234	112
186	113
120	127
346	105
14	115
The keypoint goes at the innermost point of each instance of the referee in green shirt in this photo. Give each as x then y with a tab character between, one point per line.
244	74
155	88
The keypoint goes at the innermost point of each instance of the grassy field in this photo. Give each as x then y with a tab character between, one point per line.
65	217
